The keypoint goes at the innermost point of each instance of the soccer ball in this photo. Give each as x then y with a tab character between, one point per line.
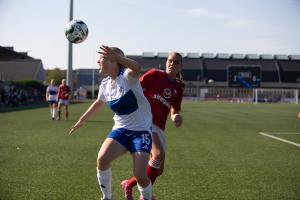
76	31
210	81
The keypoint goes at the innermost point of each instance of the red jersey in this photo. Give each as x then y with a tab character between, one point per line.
162	94
63	92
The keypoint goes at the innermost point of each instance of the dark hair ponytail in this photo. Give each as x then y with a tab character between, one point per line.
179	77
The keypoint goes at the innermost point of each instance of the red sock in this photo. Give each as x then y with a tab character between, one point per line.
152	173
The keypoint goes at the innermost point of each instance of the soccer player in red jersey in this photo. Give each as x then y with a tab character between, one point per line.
63	98
164	91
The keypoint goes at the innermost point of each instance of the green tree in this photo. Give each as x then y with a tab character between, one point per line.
56	74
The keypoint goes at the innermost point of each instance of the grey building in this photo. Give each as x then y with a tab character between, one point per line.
17	66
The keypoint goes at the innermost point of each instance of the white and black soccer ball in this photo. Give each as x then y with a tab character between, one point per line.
76	31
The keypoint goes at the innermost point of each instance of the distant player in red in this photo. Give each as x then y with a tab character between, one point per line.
164	91
63	98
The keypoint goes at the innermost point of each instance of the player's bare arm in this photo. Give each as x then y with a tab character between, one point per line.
88	113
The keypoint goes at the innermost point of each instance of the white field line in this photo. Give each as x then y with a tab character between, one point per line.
280	139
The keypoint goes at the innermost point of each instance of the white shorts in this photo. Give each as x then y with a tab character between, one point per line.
63	102
161	134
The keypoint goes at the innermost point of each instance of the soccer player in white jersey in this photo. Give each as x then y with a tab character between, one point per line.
51	97
122	92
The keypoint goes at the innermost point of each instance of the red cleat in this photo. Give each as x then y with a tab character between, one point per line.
127	190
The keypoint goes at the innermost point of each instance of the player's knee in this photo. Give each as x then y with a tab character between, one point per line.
158	155
102	162
142	178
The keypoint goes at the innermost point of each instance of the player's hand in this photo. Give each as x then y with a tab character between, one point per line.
108	53
177	119
75	127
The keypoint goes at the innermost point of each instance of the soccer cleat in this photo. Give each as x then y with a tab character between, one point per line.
106	199
127	190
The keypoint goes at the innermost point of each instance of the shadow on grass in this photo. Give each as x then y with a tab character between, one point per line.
89	121
4	109
22	107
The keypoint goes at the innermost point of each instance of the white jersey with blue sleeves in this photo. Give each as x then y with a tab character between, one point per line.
125	97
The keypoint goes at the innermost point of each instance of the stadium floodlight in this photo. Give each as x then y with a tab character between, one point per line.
223	55
193	55
148	54
208	55
267	57
70	53
281	57
237	56
252	56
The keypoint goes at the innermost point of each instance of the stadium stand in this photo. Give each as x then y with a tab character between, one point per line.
289	71
275	71
194	69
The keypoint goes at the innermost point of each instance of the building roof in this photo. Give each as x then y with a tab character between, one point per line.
17	70
8	53
17	66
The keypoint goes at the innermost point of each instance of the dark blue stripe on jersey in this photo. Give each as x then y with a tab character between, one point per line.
125	105
121	72
52	92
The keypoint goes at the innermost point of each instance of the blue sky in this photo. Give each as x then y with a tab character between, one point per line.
136	26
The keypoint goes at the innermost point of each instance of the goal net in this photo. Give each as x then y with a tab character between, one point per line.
276	95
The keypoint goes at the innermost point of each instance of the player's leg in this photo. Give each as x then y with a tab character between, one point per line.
108	152
53	108
140	160
50	108
59	109
67	111
140	149
156	163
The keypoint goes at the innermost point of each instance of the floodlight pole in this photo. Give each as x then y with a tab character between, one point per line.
93	83
70	54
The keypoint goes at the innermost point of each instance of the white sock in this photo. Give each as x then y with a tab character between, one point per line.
104	180
53	112
146	192
50	112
